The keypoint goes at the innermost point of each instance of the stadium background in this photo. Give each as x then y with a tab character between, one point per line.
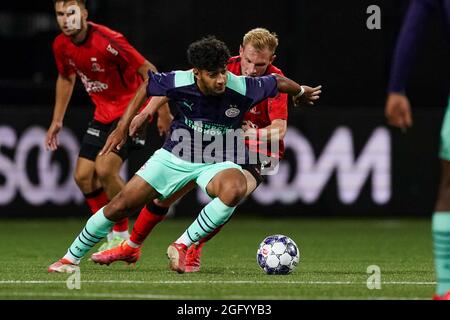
342	158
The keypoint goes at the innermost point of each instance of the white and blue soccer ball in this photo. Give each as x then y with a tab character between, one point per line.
278	254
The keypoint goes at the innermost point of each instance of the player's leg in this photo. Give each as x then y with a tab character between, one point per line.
441	217
194	253
226	184
88	183
441	232
85	175
153	213
107	168
135	194
150	215
167	174
141	189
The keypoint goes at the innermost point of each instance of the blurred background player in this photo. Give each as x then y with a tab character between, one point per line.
398	113
208	89
256	55
111	71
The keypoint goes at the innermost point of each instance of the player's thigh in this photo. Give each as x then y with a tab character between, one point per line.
167	174
84	170
166	203
108	165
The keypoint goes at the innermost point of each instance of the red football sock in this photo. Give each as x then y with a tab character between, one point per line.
121	225
148	218
96	200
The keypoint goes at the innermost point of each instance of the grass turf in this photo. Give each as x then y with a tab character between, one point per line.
335	255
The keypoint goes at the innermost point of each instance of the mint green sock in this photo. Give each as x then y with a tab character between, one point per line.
97	227
215	214
441	240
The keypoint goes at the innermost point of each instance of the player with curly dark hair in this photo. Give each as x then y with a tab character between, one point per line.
208	53
211	104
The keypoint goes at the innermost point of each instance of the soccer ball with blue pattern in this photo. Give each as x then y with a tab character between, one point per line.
278	254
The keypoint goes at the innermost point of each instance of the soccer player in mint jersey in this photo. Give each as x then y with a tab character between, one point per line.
256	55
398	113
111	71
204	97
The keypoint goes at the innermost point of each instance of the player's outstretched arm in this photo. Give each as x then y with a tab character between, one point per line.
64	89
300	94
118	136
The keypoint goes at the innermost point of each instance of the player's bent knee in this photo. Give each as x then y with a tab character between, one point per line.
105	173
232	192
83	181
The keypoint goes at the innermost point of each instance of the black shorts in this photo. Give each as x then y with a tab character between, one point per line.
95	138
260	170
255	171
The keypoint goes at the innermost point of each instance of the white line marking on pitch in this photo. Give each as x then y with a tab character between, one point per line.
77	294
417	283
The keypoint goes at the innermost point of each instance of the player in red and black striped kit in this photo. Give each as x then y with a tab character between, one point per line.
111	71
255	59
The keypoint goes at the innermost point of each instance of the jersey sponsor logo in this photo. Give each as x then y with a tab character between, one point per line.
90	85
112	50
207	128
232	112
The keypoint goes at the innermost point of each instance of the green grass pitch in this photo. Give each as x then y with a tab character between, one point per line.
335	255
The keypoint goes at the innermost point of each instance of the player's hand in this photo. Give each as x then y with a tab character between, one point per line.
398	111
137	123
51	140
163	123
247	124
309	97
115	141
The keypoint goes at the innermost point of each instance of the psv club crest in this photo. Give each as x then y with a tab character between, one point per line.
232	111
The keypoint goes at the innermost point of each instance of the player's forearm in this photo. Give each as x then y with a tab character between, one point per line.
162	107
133	107
286	85
156	105
64	89
277	127
276	130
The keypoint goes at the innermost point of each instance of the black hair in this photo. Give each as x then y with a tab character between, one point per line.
208	54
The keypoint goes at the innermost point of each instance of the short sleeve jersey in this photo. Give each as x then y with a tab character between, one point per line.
205	123
106	64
